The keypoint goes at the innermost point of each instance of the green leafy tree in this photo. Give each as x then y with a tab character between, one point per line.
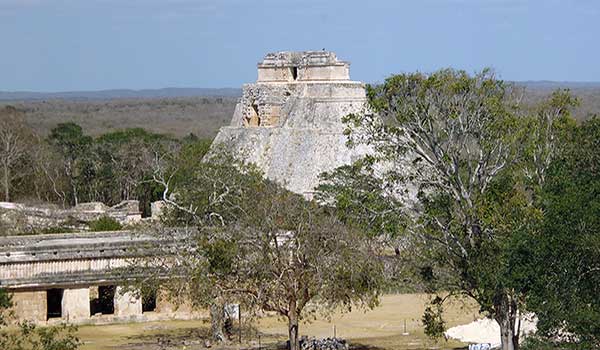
461	144
564	256
5	304
125	165
30	337
362	198
264	246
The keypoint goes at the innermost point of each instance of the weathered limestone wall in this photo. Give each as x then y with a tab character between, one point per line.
18	218
302	66
76	304
42	261
74	265
127	303
75	307
180	309
30	306
326	73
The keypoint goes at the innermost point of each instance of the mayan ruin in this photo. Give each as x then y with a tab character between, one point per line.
289	123
315	175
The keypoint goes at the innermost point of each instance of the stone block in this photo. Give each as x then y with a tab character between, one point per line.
127	303
76	304
91	207
157	209
29	306
177	308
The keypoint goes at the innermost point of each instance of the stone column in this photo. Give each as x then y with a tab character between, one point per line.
127	303
156	209
76	304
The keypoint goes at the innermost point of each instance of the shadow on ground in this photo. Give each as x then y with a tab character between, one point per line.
199	338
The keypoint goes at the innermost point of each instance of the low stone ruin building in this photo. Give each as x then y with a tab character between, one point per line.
17	218
289	123
75	277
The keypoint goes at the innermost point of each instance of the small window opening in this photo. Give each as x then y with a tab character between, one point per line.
294	71
148	300
54	303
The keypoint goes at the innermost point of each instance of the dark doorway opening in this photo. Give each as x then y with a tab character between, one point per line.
254	119
148	300
255	109
105	303
54	303
294	71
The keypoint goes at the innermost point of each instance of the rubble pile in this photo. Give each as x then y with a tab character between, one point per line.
323	344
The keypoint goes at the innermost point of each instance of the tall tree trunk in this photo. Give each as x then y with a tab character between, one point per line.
507	336
75	196
6	182
506	316
293	326
217	321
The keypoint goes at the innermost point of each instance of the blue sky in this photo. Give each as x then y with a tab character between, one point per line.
59	45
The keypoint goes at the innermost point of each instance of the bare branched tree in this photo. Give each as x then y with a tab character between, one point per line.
15	137
258	244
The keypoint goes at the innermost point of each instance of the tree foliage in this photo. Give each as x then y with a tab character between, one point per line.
364	199
564	257
105	223
70	166
5	304
264	246
474	163
30	337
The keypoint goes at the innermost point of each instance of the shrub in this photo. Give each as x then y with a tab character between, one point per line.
28	336
53	229
105	223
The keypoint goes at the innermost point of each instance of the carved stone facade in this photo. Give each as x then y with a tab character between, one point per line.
289	122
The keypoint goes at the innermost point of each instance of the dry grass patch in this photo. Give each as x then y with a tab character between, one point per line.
381	328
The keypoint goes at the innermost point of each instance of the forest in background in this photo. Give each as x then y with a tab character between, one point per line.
203	115
71	147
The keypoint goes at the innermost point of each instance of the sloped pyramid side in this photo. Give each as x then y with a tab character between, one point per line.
310	139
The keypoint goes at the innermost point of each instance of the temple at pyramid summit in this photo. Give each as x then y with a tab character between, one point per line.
289	122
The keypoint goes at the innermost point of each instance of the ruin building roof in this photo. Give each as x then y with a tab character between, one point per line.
304	66
301	58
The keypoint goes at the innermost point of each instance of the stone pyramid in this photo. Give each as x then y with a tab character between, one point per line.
289	123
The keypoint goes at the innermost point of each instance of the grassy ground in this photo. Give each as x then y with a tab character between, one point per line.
381	328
